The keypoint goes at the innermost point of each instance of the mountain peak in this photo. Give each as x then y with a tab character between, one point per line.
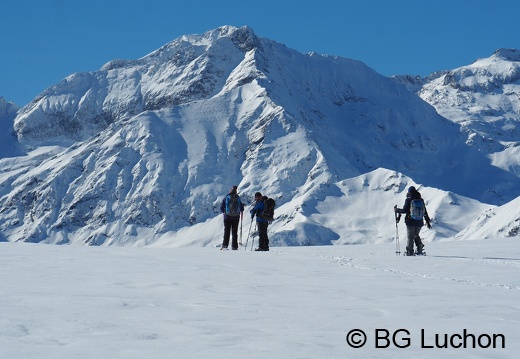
508	54
7	107
483	98
486	75
243	38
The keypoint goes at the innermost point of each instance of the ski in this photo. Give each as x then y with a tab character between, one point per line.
423	254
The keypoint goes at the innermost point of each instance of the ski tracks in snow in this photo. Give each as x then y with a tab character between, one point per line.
419	271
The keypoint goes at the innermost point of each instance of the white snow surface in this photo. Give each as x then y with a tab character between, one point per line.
292	302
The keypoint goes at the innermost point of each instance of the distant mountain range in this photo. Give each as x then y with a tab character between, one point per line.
142	151
483	98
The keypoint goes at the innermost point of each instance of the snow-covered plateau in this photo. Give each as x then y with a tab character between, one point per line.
459	301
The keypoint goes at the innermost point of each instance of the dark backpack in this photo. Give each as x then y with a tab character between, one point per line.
417	209
232	205
268	212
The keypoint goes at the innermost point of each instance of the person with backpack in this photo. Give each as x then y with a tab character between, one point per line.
233	210
261	222
415	211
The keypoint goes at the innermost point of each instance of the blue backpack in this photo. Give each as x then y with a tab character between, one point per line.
233	205
417	209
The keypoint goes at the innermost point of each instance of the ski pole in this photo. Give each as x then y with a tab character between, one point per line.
397	246
248	234
253	240
241	221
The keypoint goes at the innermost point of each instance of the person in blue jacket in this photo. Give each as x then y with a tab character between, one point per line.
261	223
413	226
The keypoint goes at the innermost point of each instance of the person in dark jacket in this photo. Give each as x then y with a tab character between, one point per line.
413	226
233	210
261	223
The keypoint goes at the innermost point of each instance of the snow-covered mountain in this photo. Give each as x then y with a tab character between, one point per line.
503	221
7	136
143	151
7	110
483	98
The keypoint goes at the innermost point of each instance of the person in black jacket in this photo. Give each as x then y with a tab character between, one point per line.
233	210
415	211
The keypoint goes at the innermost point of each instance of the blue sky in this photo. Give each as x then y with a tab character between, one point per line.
43	41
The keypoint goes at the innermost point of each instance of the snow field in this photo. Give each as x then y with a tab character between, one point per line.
291	302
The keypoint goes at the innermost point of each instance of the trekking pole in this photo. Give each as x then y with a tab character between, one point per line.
241	221
253	240
248	234
397	246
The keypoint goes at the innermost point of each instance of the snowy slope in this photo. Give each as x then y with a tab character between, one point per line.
503	221
110	302
143	151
